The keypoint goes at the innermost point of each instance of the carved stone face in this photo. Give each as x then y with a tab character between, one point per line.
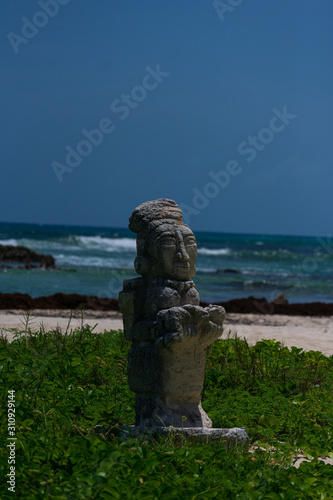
173	252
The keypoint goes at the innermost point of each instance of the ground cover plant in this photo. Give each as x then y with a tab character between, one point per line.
65	384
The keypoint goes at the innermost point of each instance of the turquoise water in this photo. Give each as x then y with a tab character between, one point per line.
95	261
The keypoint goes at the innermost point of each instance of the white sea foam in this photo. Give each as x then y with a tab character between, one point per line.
205	270
91	261
76	243
265	284
252	283
46	246
107	244
276	253
9	242
214	251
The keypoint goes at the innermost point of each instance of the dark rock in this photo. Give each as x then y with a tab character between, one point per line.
229	271
9	253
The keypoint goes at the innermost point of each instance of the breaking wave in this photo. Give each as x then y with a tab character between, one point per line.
9	242
76	243
107	244
214	251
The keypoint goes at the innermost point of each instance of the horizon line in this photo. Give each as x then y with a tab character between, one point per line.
196	230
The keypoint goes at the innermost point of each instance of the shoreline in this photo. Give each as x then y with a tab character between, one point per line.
248	305
304	332
306	326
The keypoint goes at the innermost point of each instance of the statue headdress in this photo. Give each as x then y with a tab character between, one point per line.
151	214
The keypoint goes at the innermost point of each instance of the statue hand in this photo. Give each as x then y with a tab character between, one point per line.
216	313
170	325
188	322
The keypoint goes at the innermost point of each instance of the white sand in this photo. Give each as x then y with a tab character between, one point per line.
52	319
309	333
306	332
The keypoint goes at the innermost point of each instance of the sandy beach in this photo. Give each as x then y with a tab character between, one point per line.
309	333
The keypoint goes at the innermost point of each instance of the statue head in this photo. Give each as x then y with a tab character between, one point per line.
166	247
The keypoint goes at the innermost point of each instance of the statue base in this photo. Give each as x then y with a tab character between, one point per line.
230	438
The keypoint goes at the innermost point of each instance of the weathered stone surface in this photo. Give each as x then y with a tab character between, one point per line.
162	317
231	438
166	246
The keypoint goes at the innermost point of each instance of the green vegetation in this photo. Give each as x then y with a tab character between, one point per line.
66	384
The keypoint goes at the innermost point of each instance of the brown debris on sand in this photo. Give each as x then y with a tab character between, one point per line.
56	301
249	305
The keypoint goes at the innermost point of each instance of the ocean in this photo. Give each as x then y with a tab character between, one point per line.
96	260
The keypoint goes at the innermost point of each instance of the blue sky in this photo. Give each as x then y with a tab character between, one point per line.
179	92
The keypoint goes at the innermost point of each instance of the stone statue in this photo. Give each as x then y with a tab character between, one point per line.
169	331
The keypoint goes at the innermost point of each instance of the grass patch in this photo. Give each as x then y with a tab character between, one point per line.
66	384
